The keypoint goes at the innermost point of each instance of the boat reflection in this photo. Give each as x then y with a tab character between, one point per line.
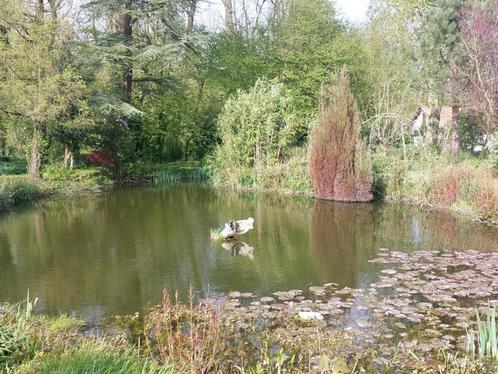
238	248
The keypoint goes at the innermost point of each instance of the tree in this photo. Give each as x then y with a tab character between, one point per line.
340	165
437	38
394	77
475	68
36	85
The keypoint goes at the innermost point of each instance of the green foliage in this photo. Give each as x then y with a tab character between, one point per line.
13	346
439	37
14	166
256	128
390	176
16	190
175	173
59	176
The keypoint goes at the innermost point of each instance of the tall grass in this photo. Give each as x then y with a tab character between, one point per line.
180	173
15	345
90	361
15	190
466	185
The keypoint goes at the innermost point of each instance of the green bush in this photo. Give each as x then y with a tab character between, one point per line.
390	176
138	171
257	129
60	176
13	166
59	173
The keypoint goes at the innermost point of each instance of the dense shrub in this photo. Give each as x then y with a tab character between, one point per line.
256	128
13	166
340	164
61	177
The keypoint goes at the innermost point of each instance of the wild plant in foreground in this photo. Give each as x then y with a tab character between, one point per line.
485	337
190	336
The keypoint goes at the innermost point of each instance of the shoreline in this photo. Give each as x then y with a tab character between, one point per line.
402	322
46	191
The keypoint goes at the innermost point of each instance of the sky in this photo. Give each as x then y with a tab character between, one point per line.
211	12
353	10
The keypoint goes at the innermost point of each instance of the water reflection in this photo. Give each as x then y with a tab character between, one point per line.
238	248
114	253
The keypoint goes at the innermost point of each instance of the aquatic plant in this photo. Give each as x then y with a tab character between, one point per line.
486	338
25	309
180	173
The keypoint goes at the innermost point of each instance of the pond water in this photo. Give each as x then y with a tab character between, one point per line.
114	253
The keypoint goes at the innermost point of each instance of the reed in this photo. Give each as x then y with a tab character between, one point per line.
178	173
485	340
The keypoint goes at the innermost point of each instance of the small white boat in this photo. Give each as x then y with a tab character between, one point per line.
233	228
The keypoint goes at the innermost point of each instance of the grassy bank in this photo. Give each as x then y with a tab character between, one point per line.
39	344
289	177
19	189
465	185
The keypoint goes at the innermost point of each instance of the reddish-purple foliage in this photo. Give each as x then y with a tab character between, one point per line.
107	161
340	166
475	72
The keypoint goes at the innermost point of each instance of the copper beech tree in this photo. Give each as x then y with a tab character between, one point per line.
340	164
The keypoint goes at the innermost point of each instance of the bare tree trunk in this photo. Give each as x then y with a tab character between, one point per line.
40	10
190	15
229	15
126	30
68	157
455	136
54	8
35	162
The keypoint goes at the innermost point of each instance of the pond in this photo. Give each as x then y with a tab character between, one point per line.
114	253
